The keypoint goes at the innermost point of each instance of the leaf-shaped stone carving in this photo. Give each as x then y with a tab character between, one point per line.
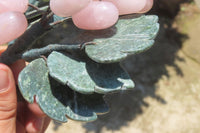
85	76
56	100
132	36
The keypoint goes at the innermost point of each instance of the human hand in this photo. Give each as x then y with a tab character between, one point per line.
17	116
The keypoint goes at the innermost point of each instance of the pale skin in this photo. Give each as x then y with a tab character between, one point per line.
23	117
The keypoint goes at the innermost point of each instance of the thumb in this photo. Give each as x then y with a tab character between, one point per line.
8	100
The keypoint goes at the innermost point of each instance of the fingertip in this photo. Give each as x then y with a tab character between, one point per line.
34	124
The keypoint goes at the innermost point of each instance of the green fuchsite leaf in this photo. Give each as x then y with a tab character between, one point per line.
55	99
132	35
86	76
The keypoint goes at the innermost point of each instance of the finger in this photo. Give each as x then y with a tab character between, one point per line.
34	124
35	118
8	100
35	109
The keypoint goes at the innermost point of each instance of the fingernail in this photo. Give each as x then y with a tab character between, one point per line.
4	80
